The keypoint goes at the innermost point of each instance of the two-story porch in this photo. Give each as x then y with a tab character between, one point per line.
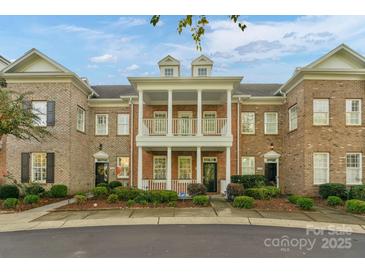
184	132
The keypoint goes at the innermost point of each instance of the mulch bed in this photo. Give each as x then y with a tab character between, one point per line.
280	204
96	204
22	207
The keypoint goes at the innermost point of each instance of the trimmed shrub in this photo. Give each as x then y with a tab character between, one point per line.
10	203
125	194
334	201
59	191
249	181
31	199
171	204
113	198
80	199
305	203
202	200
100	192
243	202
331	189
294	198
8	191
355	206
130	203
262	193
103	184
196	189
357	192
114	184
35	189
234	190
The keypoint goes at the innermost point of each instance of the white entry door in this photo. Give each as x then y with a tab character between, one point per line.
185	122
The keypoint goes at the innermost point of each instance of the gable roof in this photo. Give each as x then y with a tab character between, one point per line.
202	60
169	61
257	89
30	56
341	49
114	91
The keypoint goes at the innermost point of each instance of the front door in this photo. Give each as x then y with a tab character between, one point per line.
210	176
185	125
271	172
101	173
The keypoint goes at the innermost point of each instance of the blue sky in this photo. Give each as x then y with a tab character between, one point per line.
107	49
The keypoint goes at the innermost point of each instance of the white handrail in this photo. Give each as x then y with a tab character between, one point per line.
184	126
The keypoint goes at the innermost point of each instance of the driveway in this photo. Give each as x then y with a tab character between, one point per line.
177	241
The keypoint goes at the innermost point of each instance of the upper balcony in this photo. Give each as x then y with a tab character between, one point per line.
185	127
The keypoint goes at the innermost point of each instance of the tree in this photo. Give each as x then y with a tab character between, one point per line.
18	120
197	25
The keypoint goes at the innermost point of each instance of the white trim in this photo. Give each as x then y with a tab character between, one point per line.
328	167
210	160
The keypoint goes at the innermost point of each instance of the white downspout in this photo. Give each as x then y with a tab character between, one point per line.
131	124
238	135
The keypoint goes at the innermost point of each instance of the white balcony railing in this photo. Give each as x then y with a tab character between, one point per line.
185	127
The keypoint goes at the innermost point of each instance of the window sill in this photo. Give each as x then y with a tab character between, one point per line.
293	130
321	125
121	135
101	135
271	134
248	133
353	125
83	132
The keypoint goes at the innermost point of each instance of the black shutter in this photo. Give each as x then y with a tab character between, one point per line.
51	113
50	167
25	166
27	105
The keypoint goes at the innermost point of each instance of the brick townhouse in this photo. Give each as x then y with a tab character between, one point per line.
169	131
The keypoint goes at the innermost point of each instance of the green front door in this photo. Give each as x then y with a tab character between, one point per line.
210	176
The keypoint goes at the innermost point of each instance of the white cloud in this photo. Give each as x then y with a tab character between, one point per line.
274	40
129	22
105	58
132	67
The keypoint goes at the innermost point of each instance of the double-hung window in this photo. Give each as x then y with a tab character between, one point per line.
271	122
122	169
123	124
248	122
159	167
320	112
321	166
101	124
202	72
39	108
185	167
293	118
353	112
39	167
169	72
248	165
353	168
80	125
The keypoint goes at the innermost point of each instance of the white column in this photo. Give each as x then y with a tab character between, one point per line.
140	167
169	162
229	113
140	112
169	113
198	166
199	113
228	167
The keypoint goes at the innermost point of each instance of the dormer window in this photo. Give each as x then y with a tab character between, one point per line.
202	71
169	72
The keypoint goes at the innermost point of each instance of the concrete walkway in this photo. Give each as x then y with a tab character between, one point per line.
221	212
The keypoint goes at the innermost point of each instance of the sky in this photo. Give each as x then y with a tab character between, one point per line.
108	49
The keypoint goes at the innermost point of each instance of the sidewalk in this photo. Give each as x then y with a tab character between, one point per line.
221	212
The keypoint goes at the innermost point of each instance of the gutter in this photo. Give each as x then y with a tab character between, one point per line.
238	135
131	124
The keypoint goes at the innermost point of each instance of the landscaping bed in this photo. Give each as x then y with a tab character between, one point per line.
97	204
279	204
23	207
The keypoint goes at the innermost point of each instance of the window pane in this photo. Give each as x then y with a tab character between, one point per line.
271	123
185	170
39	167
354	168
123	124
248	165
159	167
293	118
321	168
248	122
39	108
101	124
320	112
80	119
122	169
353	112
